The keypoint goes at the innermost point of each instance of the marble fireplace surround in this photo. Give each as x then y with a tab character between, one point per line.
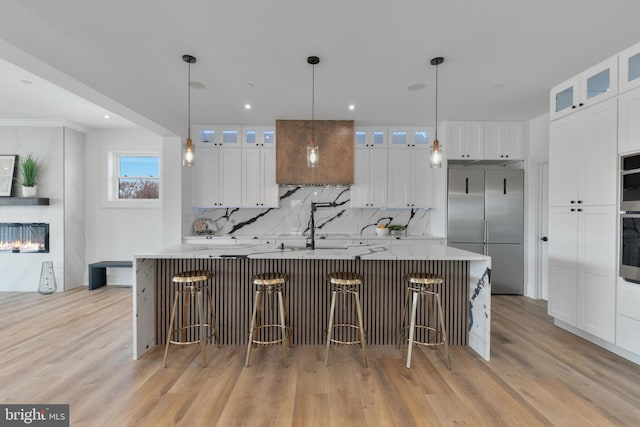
294	213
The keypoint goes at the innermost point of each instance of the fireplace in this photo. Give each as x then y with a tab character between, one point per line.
24	237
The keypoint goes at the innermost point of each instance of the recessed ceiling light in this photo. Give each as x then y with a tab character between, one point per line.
27	82
417	86
352	107
106	116
247	106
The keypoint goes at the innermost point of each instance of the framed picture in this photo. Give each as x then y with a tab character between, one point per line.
7	171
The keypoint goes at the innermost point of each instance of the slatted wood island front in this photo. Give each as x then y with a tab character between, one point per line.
465	294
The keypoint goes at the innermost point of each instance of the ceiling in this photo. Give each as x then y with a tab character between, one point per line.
88	58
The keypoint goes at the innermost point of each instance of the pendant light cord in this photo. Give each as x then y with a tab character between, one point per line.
189	100
313	102
436	102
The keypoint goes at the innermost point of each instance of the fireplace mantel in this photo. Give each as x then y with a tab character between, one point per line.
24	201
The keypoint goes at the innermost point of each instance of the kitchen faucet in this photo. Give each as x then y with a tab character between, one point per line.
311	242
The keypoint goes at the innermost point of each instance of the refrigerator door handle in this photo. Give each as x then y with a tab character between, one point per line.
504	186
466	185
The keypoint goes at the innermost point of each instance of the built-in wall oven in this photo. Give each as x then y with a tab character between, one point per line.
630	217
630	246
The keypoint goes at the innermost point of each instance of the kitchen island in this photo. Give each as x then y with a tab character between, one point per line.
466	294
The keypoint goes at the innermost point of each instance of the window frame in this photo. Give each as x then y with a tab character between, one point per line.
113	176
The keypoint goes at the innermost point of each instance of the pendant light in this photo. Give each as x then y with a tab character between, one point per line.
436	151
189	157
312	146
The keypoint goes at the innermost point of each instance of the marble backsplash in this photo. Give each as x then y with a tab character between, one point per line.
294	214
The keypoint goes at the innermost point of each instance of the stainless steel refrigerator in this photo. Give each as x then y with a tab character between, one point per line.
486	215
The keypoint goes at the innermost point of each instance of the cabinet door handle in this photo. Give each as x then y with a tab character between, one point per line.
573	201
573	107
579	210
579	201
581	104
573	210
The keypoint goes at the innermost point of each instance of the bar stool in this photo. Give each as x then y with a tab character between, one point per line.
269	283
191	289
344	283
422	285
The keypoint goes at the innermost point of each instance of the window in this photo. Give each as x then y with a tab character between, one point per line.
135	177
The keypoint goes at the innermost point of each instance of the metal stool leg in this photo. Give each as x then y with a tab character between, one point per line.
252	326
330	327
283	326
171	321
443	332
203	329
356	296
402	319
412	328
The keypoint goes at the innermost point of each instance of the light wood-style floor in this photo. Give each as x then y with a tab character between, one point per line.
75	348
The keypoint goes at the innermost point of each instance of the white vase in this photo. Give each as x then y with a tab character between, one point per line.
29	191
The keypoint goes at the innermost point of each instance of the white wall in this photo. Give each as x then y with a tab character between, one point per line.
114	233
74	208
21	272
538	153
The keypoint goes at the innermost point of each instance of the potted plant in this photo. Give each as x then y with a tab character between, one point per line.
30	171
396	229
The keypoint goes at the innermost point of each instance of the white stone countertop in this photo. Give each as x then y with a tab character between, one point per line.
412	250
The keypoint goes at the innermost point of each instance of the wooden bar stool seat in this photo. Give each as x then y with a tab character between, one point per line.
344	284
192	288
425	286
270	284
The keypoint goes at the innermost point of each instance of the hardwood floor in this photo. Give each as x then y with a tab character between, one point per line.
75	347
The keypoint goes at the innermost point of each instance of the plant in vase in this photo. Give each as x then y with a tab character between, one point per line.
397	229
30	171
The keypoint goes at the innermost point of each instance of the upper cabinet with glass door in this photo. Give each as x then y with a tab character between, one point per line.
217	136
629	64
412	137
371	137
258	136
596	84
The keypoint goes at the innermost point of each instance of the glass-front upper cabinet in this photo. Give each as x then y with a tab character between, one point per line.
370	137
259	136
629	63
216	136
596	84
418	137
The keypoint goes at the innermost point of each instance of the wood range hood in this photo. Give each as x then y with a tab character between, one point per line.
335	139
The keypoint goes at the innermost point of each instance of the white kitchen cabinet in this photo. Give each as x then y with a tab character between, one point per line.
218	136
563	264
629	121
503	141
629	66
371	137
217	176
628	316
582	268
410	137
411	179
258	136
464	141
583	157
593	85
369	189
259	187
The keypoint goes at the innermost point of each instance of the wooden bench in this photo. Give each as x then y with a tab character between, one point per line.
98	272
